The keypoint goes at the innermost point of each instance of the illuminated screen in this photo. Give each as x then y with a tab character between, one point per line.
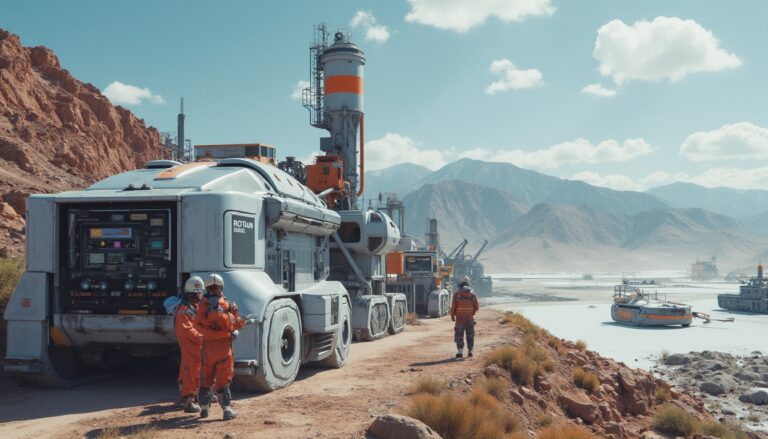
112	232
96	258
156	244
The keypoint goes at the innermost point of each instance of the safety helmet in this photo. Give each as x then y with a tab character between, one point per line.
194	285
214	279
464	282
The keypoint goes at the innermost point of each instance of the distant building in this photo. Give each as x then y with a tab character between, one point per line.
705	269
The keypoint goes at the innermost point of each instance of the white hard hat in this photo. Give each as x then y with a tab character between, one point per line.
214	279
464	281
194	285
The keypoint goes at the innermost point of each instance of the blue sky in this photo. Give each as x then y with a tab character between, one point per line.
689	103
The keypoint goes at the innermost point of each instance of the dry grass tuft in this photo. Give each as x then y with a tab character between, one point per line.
495	387
10	273
111	432
427	384
555	343
523	363
581	345
525	325
720	430
132	432
412	319
663	394
478	415
673	420
567	432
544	420
586	380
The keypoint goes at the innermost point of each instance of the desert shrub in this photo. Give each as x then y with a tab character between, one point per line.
544	420
495	387
720	430
581	345
664	355
10	273
525	325
130	432
523	363
663	394
586	380
427	384
673	420
753	417
567	432
555	343
412	319
478	415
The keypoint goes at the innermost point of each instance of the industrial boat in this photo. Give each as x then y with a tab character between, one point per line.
633	306
752	297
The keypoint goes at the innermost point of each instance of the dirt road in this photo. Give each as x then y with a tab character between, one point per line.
321	403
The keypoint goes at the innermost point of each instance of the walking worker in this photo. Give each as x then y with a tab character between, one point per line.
463	309
218	320
190	341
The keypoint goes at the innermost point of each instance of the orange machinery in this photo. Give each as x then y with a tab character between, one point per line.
327	173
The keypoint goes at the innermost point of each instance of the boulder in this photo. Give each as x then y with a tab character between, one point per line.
710	365
615	429
718	385
494	371
677	360
747	375
755	396
580	406
400	427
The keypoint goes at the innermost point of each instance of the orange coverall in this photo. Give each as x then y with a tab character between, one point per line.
463	309
190	340
216	326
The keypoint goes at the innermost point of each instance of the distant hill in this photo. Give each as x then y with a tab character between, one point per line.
552	237
464	210
393	179
531	187
723	200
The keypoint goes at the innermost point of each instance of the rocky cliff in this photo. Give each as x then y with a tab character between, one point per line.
57	133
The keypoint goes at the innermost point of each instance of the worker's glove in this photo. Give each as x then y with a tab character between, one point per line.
235	333
453	318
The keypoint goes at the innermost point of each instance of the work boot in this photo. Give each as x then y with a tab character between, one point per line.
469	354
459	354
229	413
204	396
190	406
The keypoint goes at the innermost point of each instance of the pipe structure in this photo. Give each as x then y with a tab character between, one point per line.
355	268
362	156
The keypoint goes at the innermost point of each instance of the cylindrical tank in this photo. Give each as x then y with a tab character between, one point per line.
342	65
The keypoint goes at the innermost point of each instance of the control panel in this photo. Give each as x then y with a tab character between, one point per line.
117	259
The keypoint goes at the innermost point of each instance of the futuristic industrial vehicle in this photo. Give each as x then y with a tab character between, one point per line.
303	262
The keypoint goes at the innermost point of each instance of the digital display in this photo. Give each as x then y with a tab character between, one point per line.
156	222
156	244
95	258
111	232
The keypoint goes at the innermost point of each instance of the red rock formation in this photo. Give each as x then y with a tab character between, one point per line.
57	133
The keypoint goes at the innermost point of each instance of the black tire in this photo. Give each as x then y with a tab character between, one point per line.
397	319
343	339
280	349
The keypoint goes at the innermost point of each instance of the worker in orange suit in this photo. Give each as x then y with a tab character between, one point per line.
463	309
190	341
218	320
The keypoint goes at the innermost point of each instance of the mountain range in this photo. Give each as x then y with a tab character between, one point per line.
538	222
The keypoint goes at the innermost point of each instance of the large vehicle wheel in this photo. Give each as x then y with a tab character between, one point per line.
399	309
343	339
446	305
60	368
372	316
280	349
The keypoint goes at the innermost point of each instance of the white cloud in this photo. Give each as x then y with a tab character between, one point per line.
462	15
365	21
568	153
124	94
393	149
665	48
756	178
512	78
298	89
740	141
618	182
598	90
